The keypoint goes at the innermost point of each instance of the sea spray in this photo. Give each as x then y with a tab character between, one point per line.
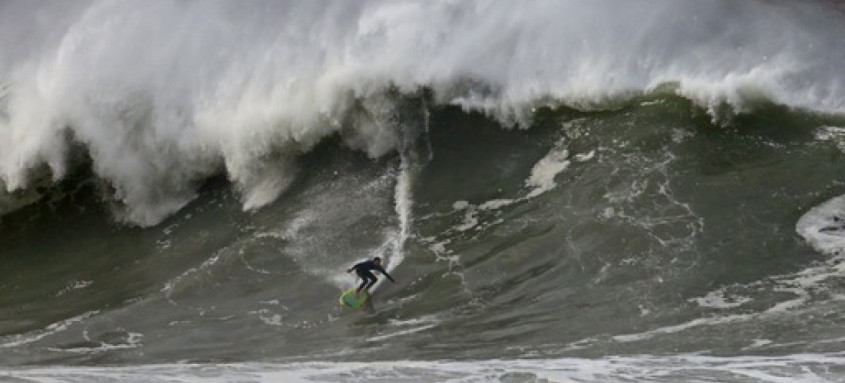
165	96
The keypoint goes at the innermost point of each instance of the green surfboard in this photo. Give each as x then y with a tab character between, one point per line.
348	298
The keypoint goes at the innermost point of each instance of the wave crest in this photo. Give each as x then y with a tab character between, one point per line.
164	96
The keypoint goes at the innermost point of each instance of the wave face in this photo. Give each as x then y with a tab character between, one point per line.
564	191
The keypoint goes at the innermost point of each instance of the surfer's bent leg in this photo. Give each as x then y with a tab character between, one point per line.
367	280
372	282
361	287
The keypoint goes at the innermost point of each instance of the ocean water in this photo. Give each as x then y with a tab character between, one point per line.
564	191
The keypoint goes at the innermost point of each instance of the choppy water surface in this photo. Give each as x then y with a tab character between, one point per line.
564	191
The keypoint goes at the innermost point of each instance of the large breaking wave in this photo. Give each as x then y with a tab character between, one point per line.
155	99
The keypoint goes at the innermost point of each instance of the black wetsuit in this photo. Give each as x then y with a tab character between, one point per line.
365	272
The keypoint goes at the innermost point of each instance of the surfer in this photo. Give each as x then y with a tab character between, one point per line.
365	272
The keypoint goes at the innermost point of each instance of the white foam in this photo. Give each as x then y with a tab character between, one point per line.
193	275
270	319
130	340
540	181
823	226
393	248
801	287
584	157
382	337
543	173
34	336
831	133
470	220
718	300
798	368
757	343
74	285
181	89
716	320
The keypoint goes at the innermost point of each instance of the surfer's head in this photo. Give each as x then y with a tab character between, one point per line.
377	260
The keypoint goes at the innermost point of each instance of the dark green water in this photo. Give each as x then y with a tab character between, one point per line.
664	234
185	185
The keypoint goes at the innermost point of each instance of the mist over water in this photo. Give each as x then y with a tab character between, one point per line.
565	191
163	96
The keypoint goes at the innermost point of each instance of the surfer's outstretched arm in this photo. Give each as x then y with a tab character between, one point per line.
384	272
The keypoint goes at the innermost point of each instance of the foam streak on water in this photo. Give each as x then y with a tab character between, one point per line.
688	369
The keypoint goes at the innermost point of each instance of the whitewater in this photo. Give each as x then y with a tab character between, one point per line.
565	191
